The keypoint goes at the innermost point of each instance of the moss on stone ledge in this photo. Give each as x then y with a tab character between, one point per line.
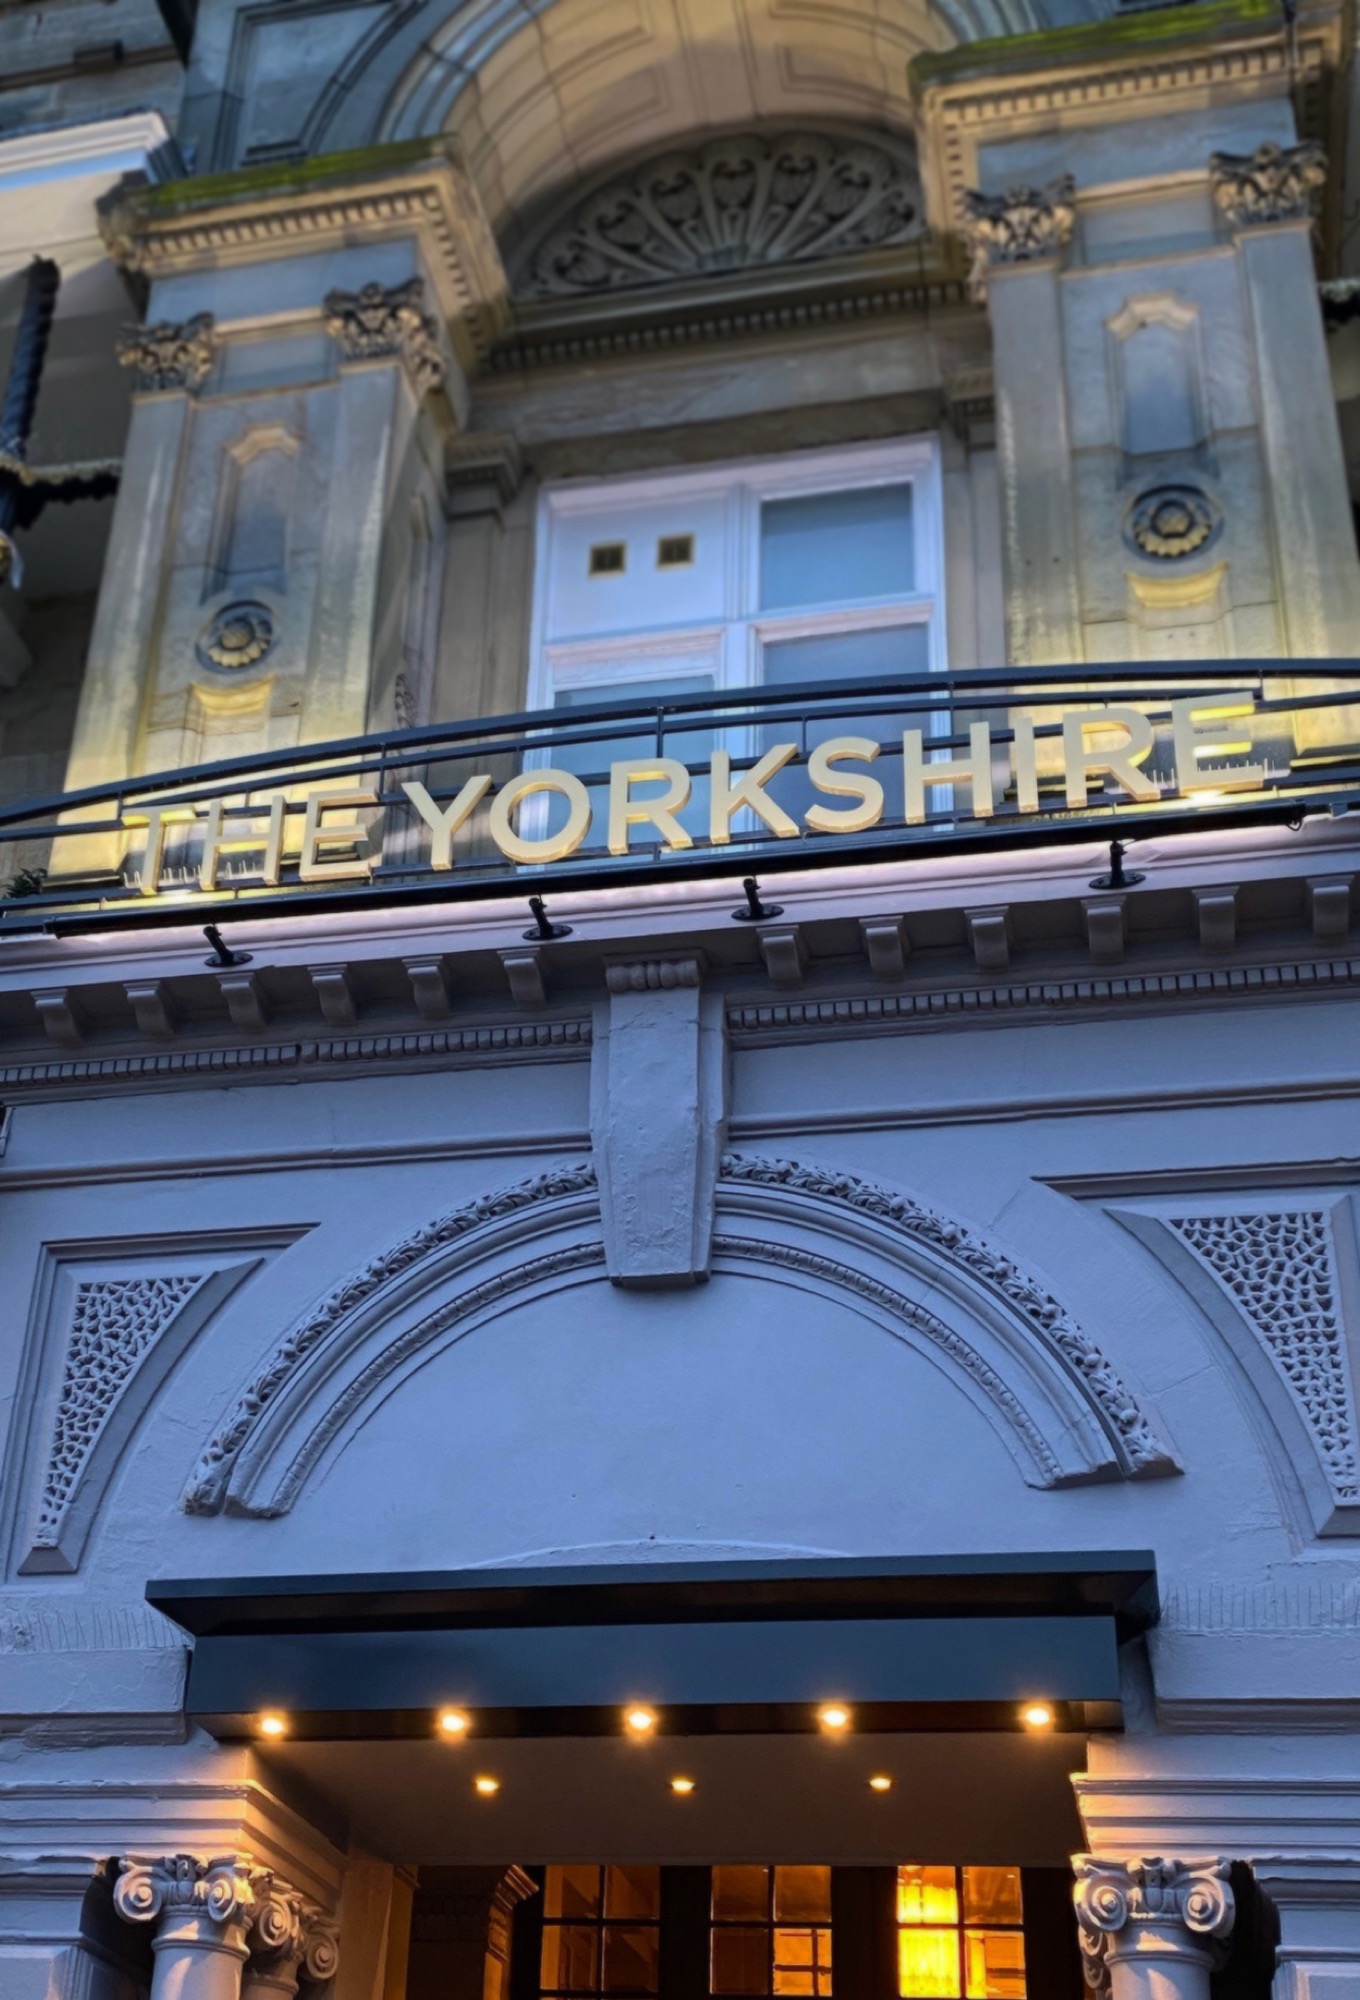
1200	21
288	177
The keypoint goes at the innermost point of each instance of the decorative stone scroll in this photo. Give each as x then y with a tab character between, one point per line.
170	356
1020	226
290	1940
1141	1922
201	1909
735	204
379	322
1273	184
1280	1269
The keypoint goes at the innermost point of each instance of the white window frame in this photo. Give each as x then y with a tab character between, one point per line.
584	661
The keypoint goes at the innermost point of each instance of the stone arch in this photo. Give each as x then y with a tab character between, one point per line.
1040	1381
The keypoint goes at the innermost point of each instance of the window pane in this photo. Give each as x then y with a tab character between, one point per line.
741	1958
824	548
741	1893
926	1896
927	1964
996	1964
991	1896
570	1958
802	1961
632	1892
572	1892
827	658
802	1895
630	1959
593	759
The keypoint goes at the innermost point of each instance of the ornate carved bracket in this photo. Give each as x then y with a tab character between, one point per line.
382	322
1022	226
1188	1903
167	356
1273	184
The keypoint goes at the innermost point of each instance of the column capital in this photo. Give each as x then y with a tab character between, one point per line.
1273	184
1150	1905
209	1901
289	1939
1022	226
388	322
170	355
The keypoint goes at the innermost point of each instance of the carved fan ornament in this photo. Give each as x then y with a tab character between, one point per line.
735	204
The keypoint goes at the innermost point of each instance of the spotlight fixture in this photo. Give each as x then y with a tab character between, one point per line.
488	1787
453	1722
682	1785
834	1715
1037	1715
640	1721
880	1784
273	1724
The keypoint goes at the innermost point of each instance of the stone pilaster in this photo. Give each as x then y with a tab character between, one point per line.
202	1910
1152	1929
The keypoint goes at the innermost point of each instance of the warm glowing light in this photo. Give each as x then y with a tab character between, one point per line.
454	1722
880	1784
640	1720
486	1786
273	1725
1037	1715
834	1716
683	1785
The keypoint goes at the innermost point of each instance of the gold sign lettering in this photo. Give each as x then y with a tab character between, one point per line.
547	847
216	842
444	821
845	785
1192	741
748	790
974	770
626	811
313	864
1120	761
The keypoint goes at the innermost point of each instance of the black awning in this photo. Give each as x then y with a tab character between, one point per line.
952	1643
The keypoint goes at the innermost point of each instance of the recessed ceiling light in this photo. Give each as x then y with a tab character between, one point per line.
834	1715
641	1721
454	1722
1037	1715
880	1784
273	1724
684	1785
486	1786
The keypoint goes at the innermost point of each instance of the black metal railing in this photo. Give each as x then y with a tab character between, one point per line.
585	739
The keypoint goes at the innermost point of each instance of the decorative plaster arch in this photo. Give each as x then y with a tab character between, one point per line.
1012	1349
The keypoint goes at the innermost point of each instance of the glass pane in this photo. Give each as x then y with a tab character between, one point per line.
741	1893
926	1896
632	1892
741	1958
802	1961
996	1964
631	1959
572	1892
991	1896
824	548
824	659
802	1895
594	759
570	1958
928	1964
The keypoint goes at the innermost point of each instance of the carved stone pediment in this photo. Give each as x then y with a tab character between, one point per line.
734	204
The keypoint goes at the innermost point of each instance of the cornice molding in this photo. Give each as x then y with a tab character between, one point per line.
101	146
422	190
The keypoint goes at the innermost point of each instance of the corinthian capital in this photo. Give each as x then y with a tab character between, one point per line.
222	1890
1018	227
1273	184
167	356
382	321
1115	1898
289	1938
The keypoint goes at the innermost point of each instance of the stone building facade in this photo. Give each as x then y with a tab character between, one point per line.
704	1433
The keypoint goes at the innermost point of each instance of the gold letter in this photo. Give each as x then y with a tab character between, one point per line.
155	819
1026	764
625	811
726	797
1083	764
974	770
216	842
444	821
340	868
553	846
1192	743
845	785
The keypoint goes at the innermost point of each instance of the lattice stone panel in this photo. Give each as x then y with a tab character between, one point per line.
1281	1271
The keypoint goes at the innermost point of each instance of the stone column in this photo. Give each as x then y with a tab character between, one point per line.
202	1910
1017	240
1152	1929
290	1940
1316	1900
1267	197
